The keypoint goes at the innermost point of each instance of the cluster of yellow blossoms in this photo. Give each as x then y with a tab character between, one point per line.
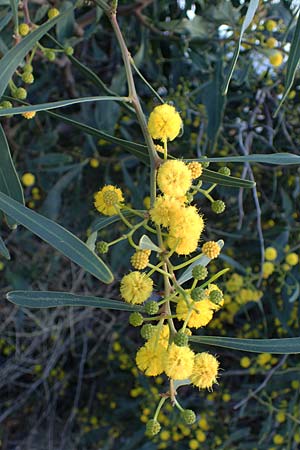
178	226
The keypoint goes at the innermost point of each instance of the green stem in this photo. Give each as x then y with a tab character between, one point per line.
159	406
157	269
187	263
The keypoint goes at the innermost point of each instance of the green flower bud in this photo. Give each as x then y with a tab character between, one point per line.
216	297
102	247
153	427
50	55
199	272
136	319
189	416
151	307
28	68
181	339
198	294
147	331
20	93
28	78
5	104
218	206
205	165
225	171
69	50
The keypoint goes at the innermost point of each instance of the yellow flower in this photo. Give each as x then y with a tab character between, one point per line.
150	358
292	259
205	370
200	435
271	25
29	114
278	439
164	208
136	287
179	362
201	314
281	417
53	12
94	163
268	269
276	59
164	123
270	253
174	178
161	336
107	198
245	362
211	249
234	283
147	202
185	230
271	42
140	259
193	444
24	29
263	359
195	168
1	266
28	179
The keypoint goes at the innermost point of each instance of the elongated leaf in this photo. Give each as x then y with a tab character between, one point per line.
146	244
225	180
284	346
44	299
9	181
103	222
57	236
138	150
14	8
203	261
11	60
54	105
292	65
248	19
273	158
3	249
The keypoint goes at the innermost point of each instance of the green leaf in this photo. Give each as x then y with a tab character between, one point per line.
103	222
3	249
273	158
14	8
284	346
225	180
9	181
57	236
44	299
292	65
203	261
146	244
248	19
54	105
138	150
14	57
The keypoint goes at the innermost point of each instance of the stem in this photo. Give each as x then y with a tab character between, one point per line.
159	406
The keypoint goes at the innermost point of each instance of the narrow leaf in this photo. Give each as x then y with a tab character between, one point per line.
3	249
292	65
44	299
14	8
58	237
146	244
273	158
225	180
248	19
12	59
284	346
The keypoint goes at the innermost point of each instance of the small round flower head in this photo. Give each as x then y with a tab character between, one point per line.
198	294
69	50
218	294
164	209
195	169
199	272
147	331
174	178
20	93
216	297
27	68
268	269
181	339
53	12
107	198
24	29
150	358
276	59
151	308
164	123
136	287
224	171
28	179
152	428
161	335
136	319
292	259
211	249
218	206
270	253
94	163
102	247
140	259
205	370
50	55
28	78
271	25
179	362
271	42
201	315
185	231
189	416
29	115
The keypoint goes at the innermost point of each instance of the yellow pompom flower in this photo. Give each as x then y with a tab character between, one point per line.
292	259
245	362
140	259
185	230
164	123
28	179
276	59
150	358
201	315
107	198
53	12
271	42
94	163
196	169
24	29
29	114
161	336
136	287
268	269
211	249
174	178
278	439
164	209
179	362
270	253
271	25
205	370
